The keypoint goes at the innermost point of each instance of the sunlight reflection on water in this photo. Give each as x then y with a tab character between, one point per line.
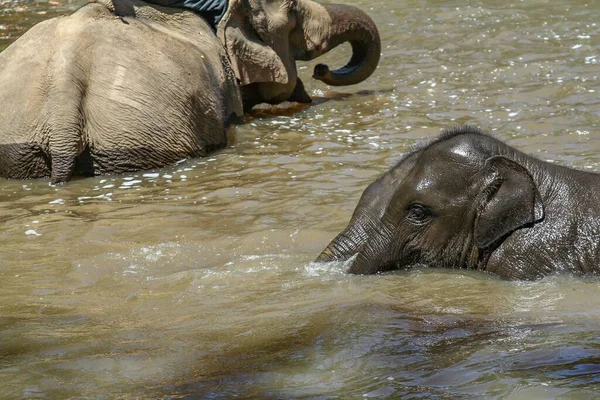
197	280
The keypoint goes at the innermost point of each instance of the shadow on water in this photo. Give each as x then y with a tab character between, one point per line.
439	356
289	109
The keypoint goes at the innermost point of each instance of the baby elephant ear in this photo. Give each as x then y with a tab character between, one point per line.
510	201
251	59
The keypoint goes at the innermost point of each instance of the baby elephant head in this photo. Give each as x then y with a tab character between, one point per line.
449	204
265	38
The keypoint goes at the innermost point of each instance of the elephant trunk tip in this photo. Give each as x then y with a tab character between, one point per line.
322	72
349	24
327	255
356	71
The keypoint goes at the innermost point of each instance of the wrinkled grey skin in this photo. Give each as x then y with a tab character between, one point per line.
470	201
124	85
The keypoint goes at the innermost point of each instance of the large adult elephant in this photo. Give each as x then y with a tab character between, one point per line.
125	85
467	200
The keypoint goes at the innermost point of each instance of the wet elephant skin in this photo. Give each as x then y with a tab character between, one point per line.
467	200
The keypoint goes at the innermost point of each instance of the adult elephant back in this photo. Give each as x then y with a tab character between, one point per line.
124	85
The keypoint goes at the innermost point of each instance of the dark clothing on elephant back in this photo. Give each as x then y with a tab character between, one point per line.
211	10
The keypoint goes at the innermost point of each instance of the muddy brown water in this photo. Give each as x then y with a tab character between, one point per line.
196	280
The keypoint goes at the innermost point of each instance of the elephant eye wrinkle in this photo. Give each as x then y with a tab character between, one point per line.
418	214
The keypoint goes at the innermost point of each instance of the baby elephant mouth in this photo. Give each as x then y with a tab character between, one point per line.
369	260
360	266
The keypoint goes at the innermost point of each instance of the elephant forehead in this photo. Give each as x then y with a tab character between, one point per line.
466	149
462	150
445	173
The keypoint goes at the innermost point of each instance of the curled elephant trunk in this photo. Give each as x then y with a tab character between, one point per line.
350	24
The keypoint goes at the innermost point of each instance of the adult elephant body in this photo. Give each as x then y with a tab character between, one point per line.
468	200
124	85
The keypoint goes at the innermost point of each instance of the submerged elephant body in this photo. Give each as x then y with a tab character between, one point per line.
137	98
470	201
124	85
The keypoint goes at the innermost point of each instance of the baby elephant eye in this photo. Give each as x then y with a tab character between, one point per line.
418	214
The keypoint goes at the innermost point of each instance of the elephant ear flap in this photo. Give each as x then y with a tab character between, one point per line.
251	59
510	200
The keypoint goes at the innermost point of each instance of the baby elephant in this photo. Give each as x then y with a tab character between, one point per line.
467	200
